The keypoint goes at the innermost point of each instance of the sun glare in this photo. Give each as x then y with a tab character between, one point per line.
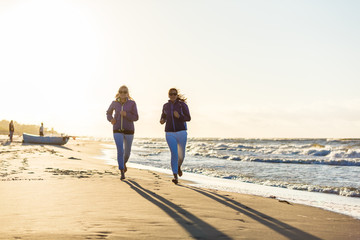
52	50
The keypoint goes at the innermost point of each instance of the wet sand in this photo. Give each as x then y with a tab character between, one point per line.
65	192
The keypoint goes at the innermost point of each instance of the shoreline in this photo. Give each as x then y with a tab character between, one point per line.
349	206
281	194
66	192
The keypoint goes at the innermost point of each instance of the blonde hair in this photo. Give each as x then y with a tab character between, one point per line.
180	96
118	93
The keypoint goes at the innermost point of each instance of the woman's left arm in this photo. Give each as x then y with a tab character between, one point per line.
132	115
185	113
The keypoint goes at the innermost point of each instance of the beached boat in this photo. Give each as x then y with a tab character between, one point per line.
29	138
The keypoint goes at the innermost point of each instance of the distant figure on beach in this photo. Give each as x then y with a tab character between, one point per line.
123	125
41	130
175	114
11	130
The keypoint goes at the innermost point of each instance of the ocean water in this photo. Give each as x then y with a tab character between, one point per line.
301	166
317	165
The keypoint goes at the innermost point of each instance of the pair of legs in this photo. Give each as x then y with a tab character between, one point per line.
123	145
177	144
11	136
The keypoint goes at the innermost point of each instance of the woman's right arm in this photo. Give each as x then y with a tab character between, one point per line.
163	115
109	112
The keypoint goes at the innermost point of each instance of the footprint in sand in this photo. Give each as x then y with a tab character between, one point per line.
99	235
105	232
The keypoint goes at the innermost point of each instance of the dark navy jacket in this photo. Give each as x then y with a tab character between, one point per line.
174	124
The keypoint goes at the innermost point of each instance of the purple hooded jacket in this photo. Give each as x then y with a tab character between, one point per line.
123	123
174	124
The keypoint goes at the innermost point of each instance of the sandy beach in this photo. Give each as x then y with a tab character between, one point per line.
66	192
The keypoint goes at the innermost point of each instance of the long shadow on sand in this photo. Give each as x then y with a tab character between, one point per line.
192	224
63	147
280	227
7	143
49	145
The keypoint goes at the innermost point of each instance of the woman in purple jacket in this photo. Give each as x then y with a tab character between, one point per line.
123	125
175	114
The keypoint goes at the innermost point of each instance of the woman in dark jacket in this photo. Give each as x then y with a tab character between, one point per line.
175	114
123	125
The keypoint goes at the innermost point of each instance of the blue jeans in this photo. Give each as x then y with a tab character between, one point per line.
123	141
177	144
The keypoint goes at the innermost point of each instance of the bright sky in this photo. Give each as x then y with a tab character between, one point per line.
249	68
